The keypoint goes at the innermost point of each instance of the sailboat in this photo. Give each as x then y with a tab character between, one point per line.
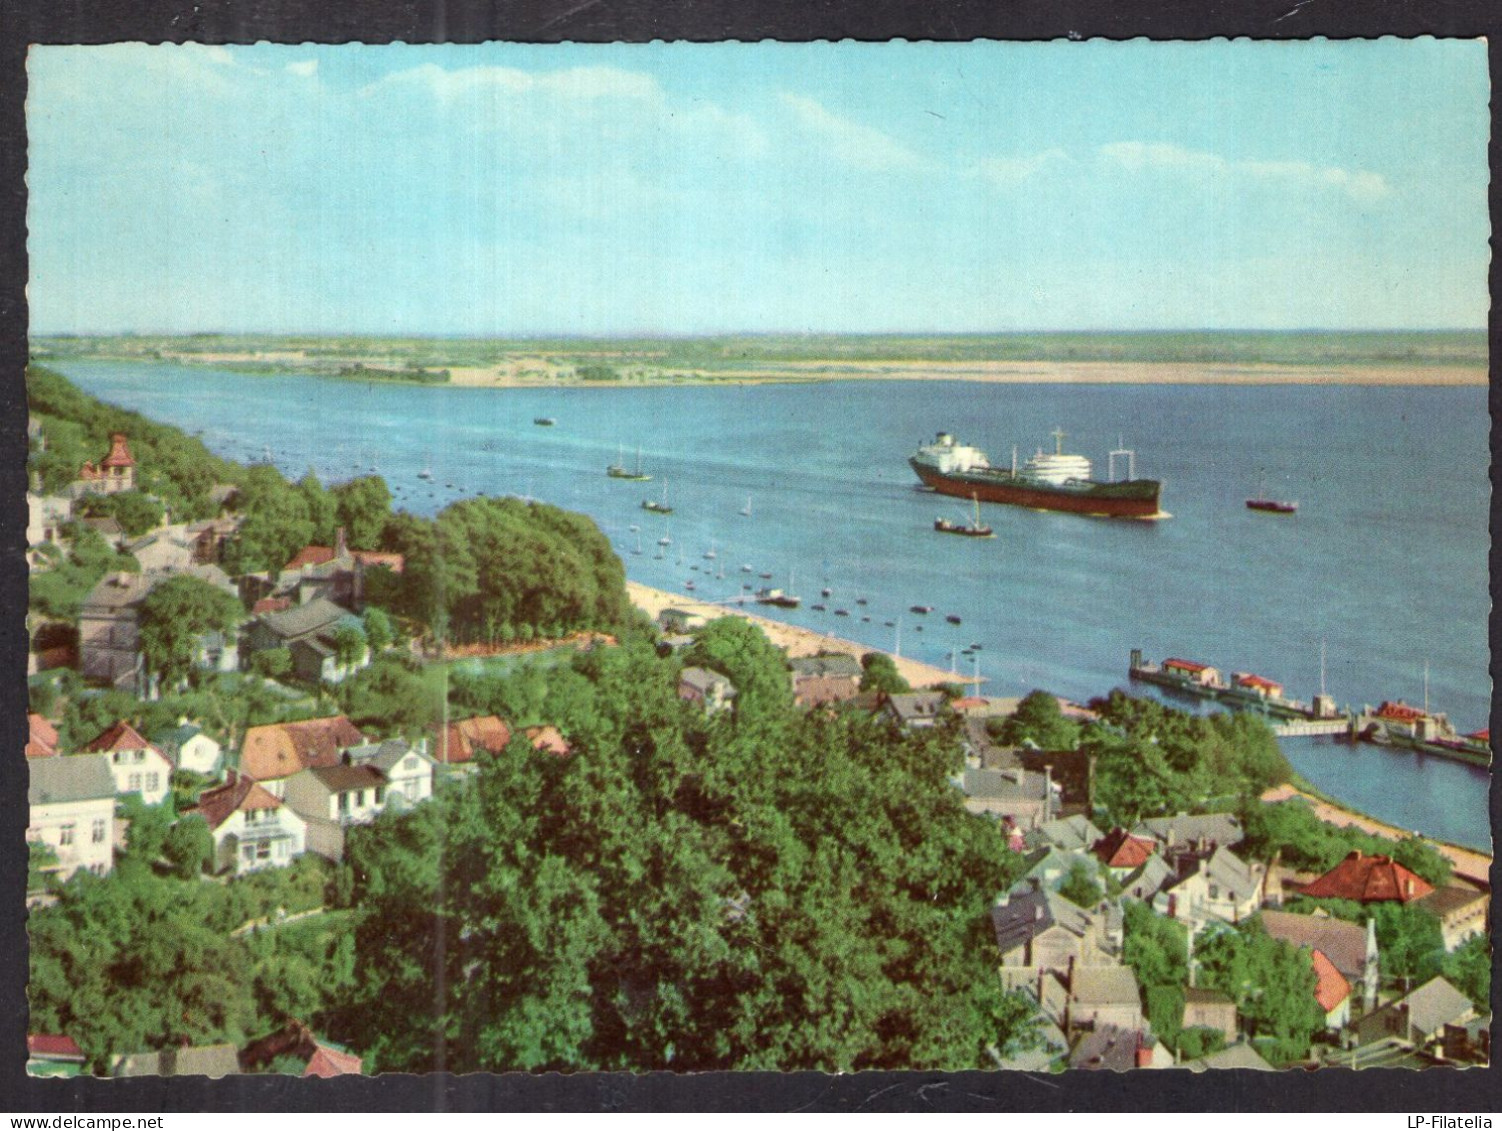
746	510
1271	506
618	470
427	466
654	506
973	529
710	553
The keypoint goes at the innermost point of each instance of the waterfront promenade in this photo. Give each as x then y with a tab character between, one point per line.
1474	867
797	641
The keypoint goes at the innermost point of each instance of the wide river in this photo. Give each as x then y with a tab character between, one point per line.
1385	562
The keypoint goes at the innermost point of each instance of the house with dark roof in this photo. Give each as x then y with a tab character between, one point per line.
916	710
331	798
1419	1017
138	766
335	573
1215	887
252	829
1369	879
308	633
408	771
1029	799
72	812
1238	1056
1203	830
165	549
274	752
1040	929
1103	996
1145	881
1351	948
1076	833
108	636
1113	1049
296	1042
818	680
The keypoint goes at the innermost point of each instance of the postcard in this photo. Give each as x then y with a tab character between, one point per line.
705	557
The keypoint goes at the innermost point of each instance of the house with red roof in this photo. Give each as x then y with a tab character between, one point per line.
53	1054
137	765
295	1042
274	752
1332	990
115	472
252	829
1191	671
335	572
41	739
459	742
548	740
1258	685
1369	879
1122	852
1350	947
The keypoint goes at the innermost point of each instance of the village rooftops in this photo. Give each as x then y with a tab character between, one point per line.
240	794
114	593
1024	917
1120	849
1111	1049
1369	879
120	736
318	615
1332	987
461	740
840	665
1233	1056
1343	943
41	740
80	777
1191	828
1095	986
278	750
1077	832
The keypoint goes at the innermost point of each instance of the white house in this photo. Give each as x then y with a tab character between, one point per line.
408	771
138	766
189	748
1219	886
251	828
72	804
345	794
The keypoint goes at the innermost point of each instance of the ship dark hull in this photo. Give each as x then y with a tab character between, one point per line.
1137	498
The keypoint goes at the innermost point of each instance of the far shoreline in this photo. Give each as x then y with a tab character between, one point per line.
1040	372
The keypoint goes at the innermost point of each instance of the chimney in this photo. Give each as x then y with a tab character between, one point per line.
1173	838
340	546
1144	1053
1037	911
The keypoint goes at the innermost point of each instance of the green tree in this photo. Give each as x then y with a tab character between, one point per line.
1155	947
40	859
135	511
321	506
189	846
1080	885
378	630
173	618
349	644
1038	720
274	663
362	506
1271	982
879	673
1469	969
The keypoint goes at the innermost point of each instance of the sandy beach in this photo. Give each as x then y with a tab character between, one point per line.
796	641
1468	865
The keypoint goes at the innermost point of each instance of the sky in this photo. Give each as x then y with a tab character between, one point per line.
685	189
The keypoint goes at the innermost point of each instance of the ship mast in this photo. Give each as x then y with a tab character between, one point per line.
1322	667
1426	687
1058	435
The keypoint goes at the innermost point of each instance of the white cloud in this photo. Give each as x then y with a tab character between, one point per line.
305	68
1139	156
573	83
850	142
1013	170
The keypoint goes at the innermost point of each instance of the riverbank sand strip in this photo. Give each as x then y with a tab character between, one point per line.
1468	865
796	641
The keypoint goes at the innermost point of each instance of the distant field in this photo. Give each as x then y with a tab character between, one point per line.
1445	356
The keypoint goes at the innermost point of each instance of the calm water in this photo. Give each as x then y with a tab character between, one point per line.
1386	560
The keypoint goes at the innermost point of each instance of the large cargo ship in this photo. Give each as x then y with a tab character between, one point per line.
1054	482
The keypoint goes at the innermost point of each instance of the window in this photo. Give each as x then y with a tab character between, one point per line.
138	756
250	853
344	803
360	800
281	850
65	836
153	782
380	794
412	790
263	850
1214	891
99	830
133	783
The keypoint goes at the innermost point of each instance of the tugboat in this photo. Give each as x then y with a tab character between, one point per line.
1270	506
972	529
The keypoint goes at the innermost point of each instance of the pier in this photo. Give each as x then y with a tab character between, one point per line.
1310	728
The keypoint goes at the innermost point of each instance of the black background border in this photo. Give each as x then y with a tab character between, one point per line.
24	22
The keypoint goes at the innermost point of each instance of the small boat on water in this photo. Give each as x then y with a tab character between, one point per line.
765	576
842	612
860	600
747	569
922	609
825	592
779	598
658	507
746	510
544	421
818	608
972	529
618	469
1270	506
427	466
710	553
952	619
